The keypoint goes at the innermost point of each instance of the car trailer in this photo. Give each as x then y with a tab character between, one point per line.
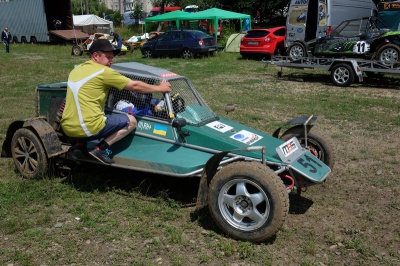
343	71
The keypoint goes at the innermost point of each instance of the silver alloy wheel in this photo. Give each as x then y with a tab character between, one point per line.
341	75
148	53
296	51
389	55
246	208
187	54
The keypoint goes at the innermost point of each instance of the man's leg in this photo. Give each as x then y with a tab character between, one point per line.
7	47
117	127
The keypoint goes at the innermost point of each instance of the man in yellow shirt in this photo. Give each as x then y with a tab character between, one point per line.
83	118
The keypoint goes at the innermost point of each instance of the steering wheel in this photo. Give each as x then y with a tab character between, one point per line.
178	103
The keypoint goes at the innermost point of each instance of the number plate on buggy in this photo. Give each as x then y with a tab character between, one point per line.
302	160
253	43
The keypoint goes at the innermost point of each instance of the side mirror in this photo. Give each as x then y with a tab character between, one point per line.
229	108
179	123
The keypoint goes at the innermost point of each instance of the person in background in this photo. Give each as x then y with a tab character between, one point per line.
57	24
83	118
6	39
118	39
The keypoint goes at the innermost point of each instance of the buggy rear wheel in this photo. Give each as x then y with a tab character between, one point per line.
28	154
248	201
77	50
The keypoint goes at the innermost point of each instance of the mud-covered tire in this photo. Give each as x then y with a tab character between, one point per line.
77	50
388	54
187	54
248	201
296	51
342	75
130	47
28	154
319	144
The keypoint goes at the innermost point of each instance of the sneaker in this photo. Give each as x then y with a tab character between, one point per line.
102	156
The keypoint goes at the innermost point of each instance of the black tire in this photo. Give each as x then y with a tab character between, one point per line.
342	75
296	51
388	54
319	144
77	50
23	40
248	201
33	40
187	54
15	39
130	47
28	154
148	53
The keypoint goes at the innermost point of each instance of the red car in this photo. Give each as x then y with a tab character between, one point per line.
262	42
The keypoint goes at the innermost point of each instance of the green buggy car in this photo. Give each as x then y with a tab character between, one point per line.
245	175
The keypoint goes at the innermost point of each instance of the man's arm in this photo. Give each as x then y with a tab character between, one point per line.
142	87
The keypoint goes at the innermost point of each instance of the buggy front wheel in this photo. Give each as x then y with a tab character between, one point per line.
248	201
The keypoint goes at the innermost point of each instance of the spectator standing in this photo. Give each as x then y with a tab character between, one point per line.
118	39
6	39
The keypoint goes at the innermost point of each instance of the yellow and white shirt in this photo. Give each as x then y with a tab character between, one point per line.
88	85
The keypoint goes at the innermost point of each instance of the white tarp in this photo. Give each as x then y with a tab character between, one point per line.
92	24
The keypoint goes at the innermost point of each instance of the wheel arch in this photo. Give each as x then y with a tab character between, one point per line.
42	129
296	122
210	169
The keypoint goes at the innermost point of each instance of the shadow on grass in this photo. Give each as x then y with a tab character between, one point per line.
89	177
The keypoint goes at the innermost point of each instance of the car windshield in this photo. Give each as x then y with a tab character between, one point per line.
356	27
257	34
185	102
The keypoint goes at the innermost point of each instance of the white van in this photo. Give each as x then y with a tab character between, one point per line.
309	19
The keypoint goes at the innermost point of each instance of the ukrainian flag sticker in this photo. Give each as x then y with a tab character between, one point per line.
160	130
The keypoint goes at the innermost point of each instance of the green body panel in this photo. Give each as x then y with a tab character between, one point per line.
48	94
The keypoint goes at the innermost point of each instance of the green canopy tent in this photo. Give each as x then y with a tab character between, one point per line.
215	14
170	16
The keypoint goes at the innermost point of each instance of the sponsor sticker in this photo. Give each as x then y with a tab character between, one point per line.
144	126
289	147
246	137
221	127
160	130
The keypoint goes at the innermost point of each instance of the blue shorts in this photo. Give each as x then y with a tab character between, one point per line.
114	123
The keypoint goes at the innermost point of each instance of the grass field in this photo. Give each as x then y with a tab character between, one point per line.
93	215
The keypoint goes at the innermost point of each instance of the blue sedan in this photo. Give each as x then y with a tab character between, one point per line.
185	43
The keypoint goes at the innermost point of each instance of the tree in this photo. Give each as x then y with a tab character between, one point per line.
137	13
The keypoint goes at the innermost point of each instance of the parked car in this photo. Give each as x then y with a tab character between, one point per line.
245	175
360	38
263	42
187	43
